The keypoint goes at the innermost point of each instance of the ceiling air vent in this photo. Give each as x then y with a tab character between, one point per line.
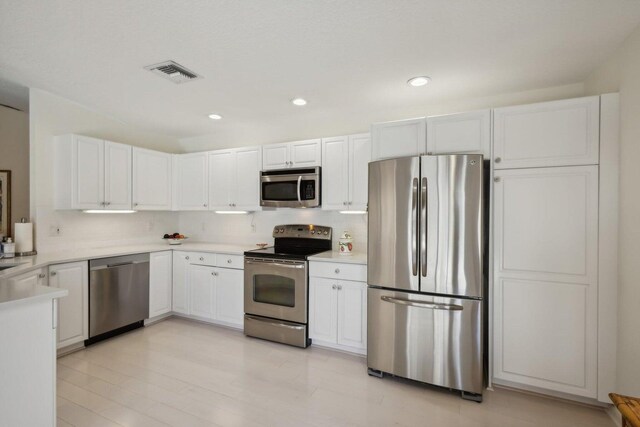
173	71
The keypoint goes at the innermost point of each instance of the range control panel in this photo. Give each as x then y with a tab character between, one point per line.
302	231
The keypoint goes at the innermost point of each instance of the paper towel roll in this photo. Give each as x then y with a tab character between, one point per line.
23	237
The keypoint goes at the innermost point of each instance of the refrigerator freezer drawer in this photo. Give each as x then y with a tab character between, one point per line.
431	339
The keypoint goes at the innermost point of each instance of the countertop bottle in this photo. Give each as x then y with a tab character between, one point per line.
9	248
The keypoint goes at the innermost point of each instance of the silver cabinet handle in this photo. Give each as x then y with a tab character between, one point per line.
431	305
496	179
423	227
337	271
108	203
53	273
215	273
187	257
42	276
229	261
135	204
201	258
339	287
344	203
334	287
205	205
414	227
498	159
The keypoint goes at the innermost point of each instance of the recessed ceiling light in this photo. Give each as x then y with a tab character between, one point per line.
299	102
419	81
215	116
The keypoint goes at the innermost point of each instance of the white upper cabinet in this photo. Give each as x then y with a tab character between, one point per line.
399	139
345	169
545	259
298	154
246	189
73	310
460	133
192	181
117	176
557	133
234	179
91	173
151	180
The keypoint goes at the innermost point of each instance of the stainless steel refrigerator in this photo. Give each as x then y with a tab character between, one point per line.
426	294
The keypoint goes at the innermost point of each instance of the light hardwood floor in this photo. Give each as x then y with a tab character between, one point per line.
182	373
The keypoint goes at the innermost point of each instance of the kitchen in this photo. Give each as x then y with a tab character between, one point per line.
549	340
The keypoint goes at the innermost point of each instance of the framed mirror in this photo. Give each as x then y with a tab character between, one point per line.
5	203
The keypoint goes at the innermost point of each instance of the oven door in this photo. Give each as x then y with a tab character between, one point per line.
290	190
276	288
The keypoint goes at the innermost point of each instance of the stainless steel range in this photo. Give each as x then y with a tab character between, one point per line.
276	284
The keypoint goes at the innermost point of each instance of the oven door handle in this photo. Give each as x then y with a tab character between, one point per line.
299	182
277	264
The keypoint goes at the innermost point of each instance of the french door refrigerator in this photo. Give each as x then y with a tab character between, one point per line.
426	293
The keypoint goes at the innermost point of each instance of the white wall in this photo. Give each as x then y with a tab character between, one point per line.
620	73
14	156
51	115
360	122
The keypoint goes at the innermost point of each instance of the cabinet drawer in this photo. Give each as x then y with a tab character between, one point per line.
230	261
356	272
201	258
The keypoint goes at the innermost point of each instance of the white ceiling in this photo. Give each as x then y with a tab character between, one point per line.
349	59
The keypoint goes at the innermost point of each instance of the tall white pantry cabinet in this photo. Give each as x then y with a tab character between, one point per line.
548	178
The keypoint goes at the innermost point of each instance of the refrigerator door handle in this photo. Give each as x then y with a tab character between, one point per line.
414	227
423	227
420	304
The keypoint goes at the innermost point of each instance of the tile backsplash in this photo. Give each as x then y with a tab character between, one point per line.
257	227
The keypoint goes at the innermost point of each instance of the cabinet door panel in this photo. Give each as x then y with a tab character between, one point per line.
399	139
88	173
230	296
117	175
160	278
220	179
151	180
323	302
73	310
180	288
359	158
460	133
248	162
549	335
558	133
202	291
546	223
352	314
275	156
304	154
335	173
192	181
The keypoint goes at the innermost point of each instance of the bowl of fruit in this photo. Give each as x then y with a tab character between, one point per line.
175	238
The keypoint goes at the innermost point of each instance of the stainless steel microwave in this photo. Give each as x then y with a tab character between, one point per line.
290	188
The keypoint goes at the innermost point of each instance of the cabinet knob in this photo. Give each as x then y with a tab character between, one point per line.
205	205
53	273
201	258
344	203
42	276
108	203
496	179
498	160
135	204
350	203
339	287
229	261
187	257
334	287
337	271
215	273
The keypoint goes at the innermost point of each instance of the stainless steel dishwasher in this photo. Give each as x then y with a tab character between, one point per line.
118	295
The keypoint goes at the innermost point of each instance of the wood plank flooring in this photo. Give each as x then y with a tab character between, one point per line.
183	373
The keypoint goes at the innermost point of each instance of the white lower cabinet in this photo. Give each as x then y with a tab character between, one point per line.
202	289
545	302
31	278
73	310
338	313
160	277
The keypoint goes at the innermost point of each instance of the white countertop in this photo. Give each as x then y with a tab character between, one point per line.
12	292
335	256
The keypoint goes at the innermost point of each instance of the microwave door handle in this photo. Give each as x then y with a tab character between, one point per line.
299	182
